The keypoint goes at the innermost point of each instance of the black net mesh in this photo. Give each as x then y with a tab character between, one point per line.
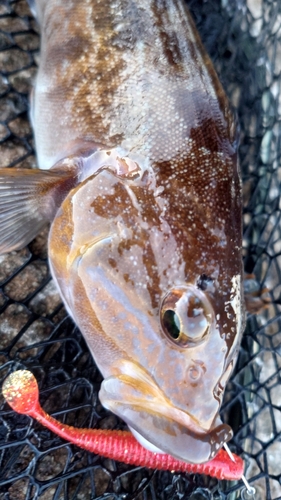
243	38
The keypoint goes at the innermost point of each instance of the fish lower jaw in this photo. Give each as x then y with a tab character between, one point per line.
144	442
156	424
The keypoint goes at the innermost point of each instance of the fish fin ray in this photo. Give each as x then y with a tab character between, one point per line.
28	201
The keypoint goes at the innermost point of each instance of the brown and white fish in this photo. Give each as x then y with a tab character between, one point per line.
144	196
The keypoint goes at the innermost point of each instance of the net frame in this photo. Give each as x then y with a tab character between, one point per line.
243	39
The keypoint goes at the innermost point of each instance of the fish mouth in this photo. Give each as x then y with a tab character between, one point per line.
156	423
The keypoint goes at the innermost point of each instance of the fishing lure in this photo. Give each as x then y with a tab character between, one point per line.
20	390
137	149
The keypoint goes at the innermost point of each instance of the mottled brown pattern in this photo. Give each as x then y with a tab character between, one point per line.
93	64
132	78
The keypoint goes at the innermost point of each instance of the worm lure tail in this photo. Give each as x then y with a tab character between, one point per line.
20	390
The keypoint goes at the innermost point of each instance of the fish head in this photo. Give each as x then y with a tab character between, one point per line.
159	306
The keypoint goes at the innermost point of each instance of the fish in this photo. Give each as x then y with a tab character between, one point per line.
139	177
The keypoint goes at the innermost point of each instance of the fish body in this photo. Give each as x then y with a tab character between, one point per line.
144	195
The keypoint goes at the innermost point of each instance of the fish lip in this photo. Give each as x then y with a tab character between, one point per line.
135	397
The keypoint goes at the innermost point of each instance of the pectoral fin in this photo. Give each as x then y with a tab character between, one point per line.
28	200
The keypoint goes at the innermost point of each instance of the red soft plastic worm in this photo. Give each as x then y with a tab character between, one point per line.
20	390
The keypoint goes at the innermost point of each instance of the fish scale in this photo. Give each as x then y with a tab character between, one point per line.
137	149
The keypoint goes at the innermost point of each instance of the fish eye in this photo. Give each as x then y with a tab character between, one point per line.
186	315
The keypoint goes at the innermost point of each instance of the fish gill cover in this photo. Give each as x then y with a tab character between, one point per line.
244	41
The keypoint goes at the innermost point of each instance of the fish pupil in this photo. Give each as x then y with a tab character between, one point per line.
172	324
